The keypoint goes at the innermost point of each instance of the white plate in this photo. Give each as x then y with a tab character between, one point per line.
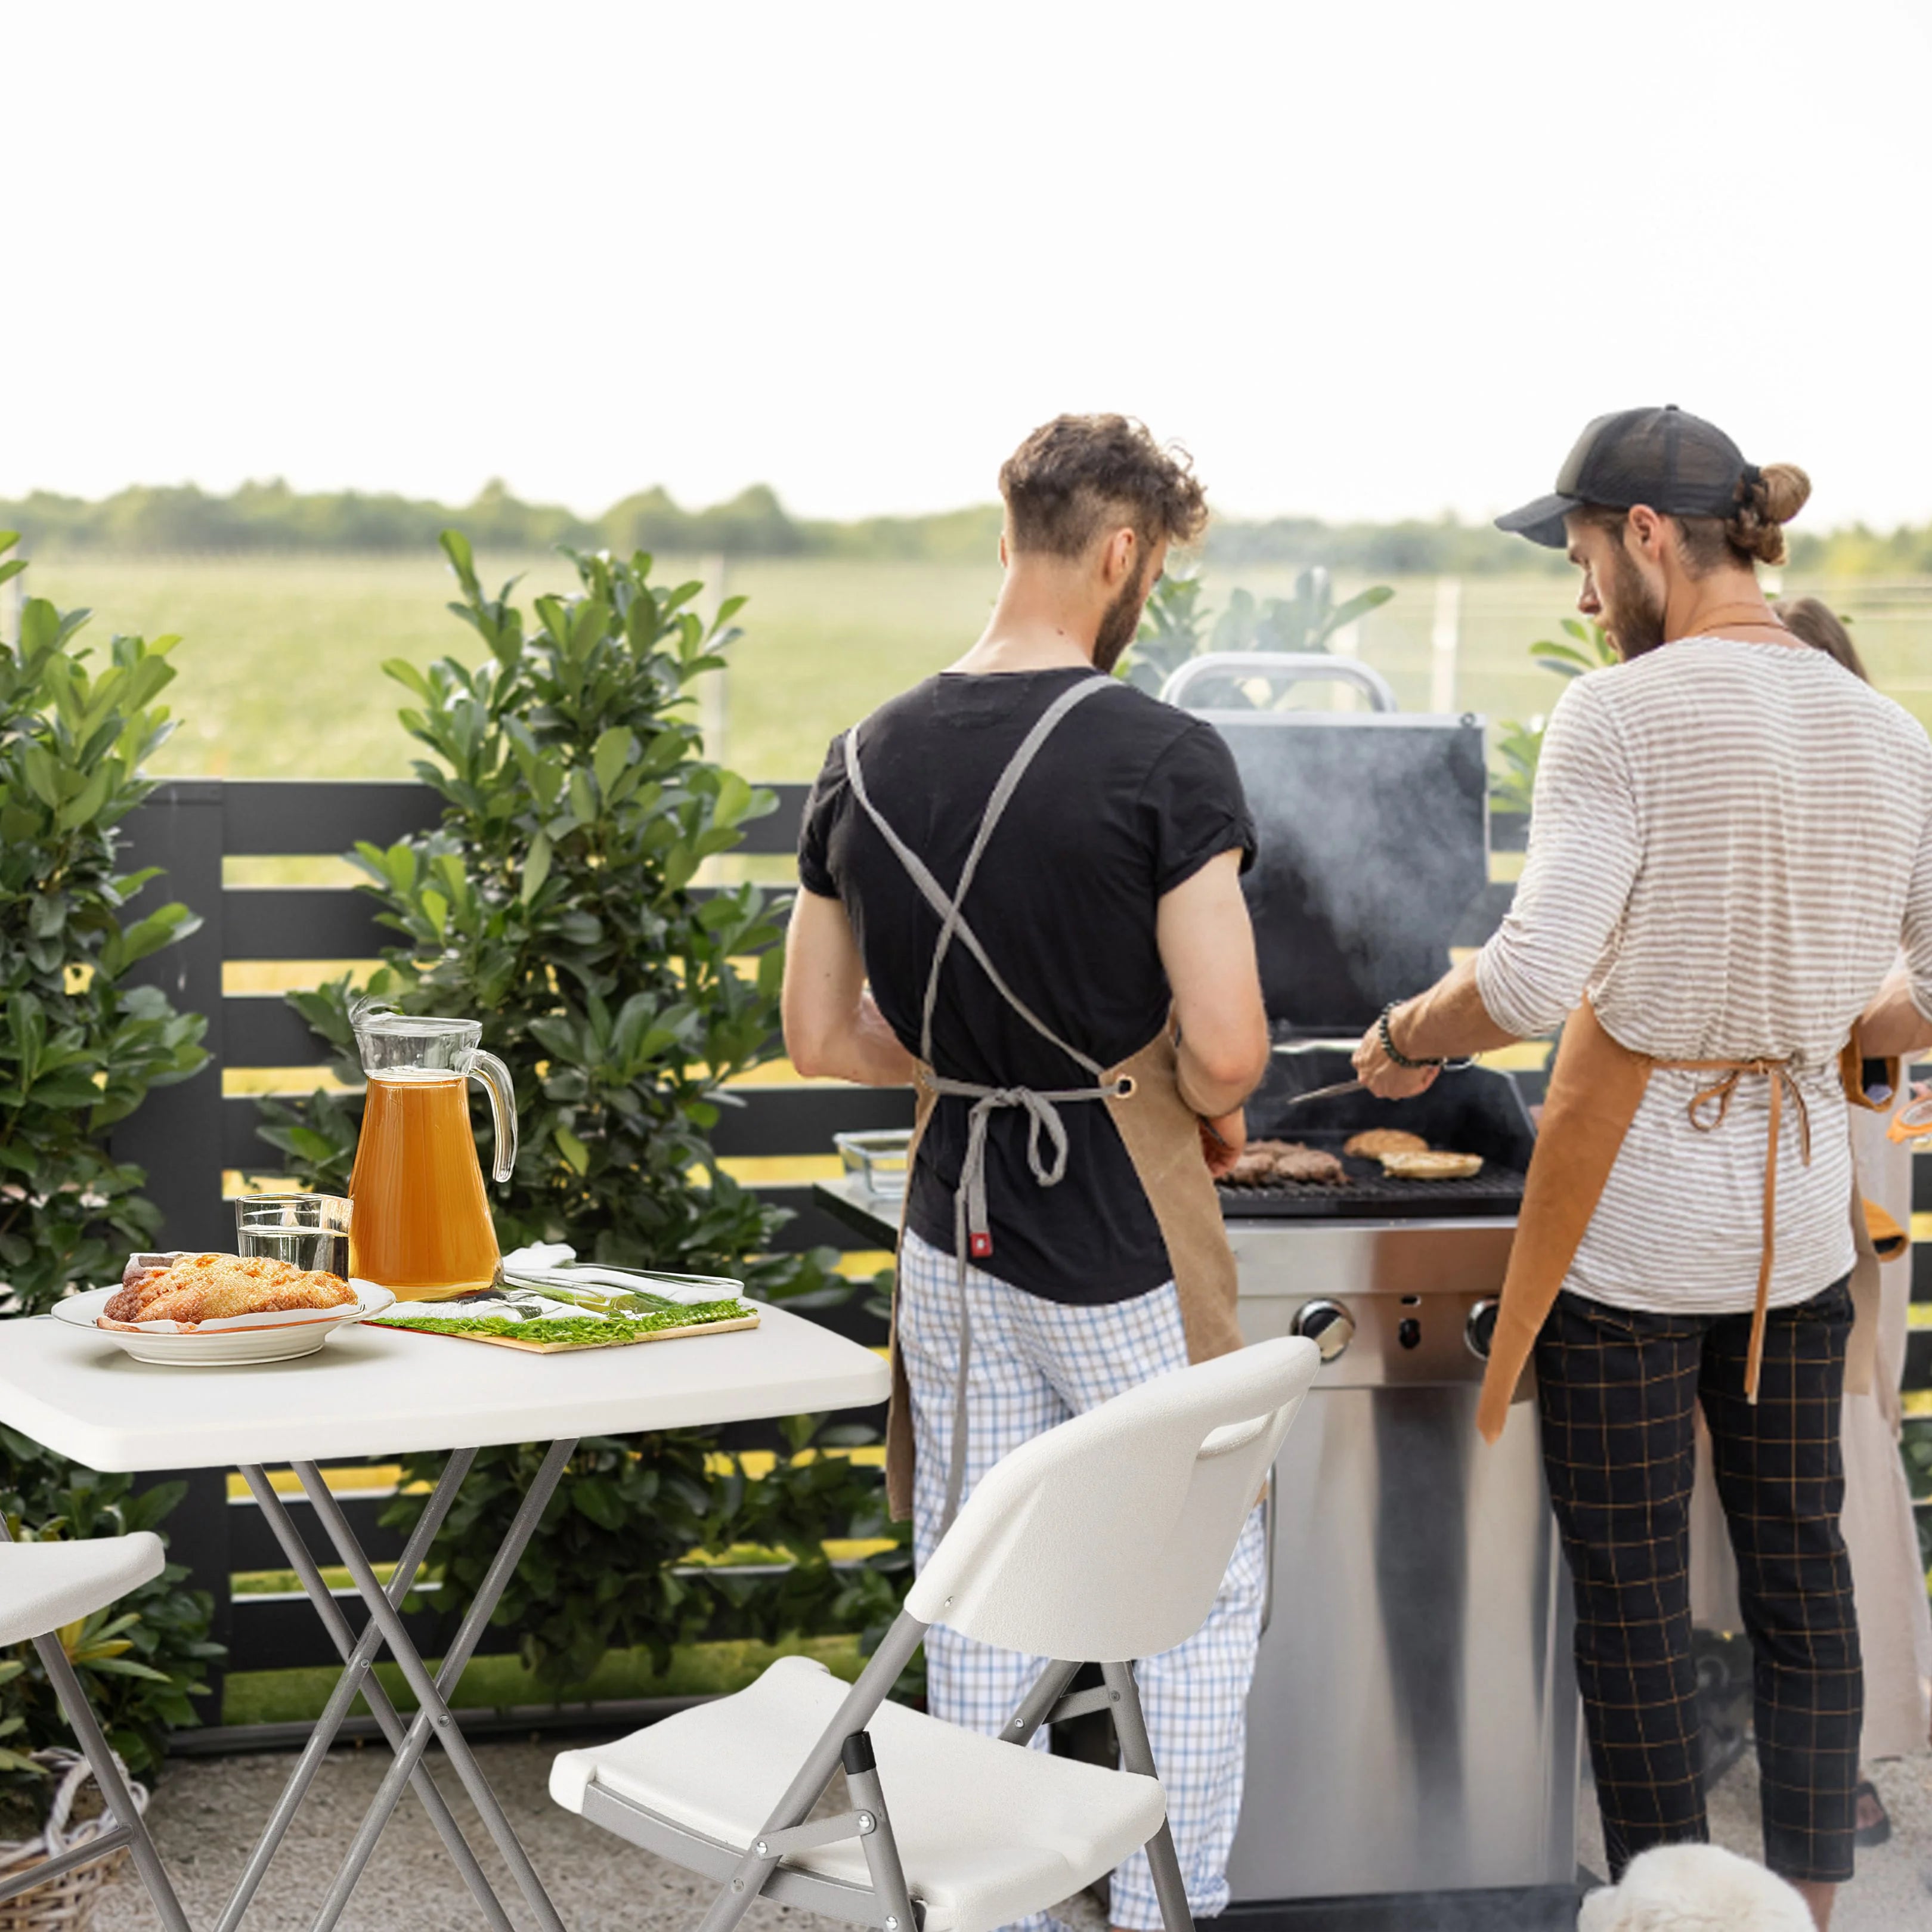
266	1338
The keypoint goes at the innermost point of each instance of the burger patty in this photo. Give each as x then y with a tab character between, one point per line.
1373	1142
1264	1161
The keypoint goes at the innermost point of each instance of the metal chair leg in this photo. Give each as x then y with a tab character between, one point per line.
86	1728
1037	1705
881	1847
1170	1888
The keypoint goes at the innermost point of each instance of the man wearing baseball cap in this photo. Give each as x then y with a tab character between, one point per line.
1730	842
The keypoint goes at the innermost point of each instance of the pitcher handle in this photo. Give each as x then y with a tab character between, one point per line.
496	1076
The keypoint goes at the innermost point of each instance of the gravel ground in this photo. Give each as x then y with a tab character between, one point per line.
207	1813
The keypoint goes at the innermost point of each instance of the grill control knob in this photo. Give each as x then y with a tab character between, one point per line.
1327	1324
1480	1331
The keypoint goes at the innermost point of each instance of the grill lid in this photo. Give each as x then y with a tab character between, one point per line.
1373	845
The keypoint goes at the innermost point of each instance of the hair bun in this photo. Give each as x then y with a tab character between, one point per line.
1768	499
1783	490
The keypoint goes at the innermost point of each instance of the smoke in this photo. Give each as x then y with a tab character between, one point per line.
1373	848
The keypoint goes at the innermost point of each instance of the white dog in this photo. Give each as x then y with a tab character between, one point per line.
1695	1888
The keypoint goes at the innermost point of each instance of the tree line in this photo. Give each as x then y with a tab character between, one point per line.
271	516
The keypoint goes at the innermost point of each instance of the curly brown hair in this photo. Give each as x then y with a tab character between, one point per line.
1063	483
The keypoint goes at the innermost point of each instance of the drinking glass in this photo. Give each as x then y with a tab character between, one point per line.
310	1231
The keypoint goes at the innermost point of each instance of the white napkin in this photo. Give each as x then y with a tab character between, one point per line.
554	1265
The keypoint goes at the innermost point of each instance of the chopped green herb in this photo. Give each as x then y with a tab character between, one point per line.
568	1328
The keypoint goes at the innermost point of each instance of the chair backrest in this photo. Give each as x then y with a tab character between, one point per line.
1106	1538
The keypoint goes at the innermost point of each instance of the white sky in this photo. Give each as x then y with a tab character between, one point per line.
1365	260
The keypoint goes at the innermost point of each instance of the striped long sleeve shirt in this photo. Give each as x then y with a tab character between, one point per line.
1730	844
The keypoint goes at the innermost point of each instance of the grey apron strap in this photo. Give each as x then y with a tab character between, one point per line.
948	906
971	1236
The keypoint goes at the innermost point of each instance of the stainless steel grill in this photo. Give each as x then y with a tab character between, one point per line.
1413	1733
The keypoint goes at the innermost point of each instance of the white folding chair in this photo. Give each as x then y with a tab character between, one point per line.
1102	1540
42	1586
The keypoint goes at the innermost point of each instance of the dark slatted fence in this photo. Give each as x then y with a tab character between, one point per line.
186	1136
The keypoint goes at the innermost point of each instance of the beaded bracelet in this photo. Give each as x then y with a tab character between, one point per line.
1394	1052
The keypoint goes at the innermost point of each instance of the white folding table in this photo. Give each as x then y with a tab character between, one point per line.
377	1391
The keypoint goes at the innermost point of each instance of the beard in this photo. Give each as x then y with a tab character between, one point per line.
1632	610
1119	622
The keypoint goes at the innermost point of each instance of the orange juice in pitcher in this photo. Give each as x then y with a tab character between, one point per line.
420	1225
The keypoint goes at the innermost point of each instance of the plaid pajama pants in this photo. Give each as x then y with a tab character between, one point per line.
1034	1364
1618	1389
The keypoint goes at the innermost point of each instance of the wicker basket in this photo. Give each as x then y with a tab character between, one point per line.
65	1903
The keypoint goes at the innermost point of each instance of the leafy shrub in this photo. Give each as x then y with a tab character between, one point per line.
1519	747
555	903
79	1048
141	1660
1916	1448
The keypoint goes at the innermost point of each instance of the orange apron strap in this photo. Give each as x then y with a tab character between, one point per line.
1596	1086
1162	1135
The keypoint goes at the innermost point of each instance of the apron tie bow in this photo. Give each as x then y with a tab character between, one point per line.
1047	1148
1708	1108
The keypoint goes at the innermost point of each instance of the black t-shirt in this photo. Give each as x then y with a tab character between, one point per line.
1127	799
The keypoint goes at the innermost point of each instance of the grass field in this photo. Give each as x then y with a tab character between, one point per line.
280	658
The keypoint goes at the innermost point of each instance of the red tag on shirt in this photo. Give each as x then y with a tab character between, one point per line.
979	1246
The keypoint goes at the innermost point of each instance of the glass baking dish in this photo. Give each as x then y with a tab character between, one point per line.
876	1159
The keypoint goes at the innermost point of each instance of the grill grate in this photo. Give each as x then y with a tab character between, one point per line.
1370	1194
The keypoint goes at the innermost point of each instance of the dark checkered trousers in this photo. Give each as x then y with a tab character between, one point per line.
1618	1389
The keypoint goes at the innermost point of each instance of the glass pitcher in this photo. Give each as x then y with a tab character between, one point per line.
420	1225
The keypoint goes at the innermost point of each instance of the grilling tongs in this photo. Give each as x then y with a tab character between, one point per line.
1327	1093
1355	1086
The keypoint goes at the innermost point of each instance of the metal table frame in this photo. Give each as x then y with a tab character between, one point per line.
432	1721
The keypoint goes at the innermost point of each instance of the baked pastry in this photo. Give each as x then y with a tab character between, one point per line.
1373	1142
206	1288
1429	1165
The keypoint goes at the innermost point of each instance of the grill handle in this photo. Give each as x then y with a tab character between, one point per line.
1289	667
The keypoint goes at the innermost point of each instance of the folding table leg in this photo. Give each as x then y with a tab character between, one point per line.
1170	1888
357	1654
86	1727
434	1716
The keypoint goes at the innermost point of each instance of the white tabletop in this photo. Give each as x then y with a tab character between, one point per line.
374	1391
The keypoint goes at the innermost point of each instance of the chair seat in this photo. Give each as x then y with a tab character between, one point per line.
43	1586
987	1832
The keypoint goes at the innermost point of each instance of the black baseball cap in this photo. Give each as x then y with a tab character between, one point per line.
1676	463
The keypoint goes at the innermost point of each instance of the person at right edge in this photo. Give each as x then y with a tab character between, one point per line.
1730	844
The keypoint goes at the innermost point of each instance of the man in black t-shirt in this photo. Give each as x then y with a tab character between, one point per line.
1094	838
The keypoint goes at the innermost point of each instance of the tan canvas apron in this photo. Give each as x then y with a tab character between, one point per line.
1142	1095
1596	1086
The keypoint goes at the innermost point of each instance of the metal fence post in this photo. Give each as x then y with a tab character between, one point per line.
175	1133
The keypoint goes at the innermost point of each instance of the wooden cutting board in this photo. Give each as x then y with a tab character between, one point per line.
577	1347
